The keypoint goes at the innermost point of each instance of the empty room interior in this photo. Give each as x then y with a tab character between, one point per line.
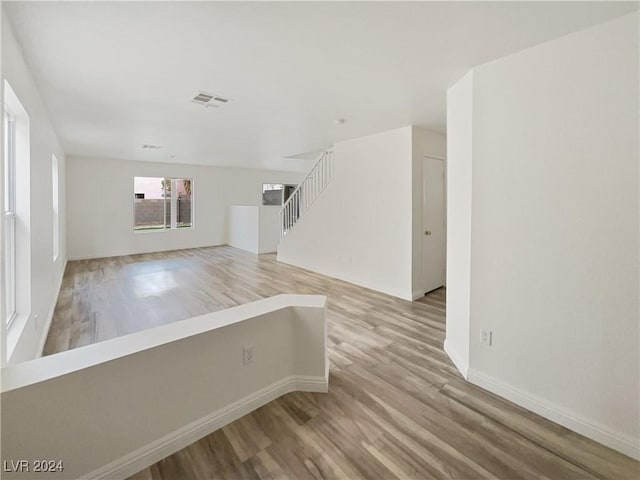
320	240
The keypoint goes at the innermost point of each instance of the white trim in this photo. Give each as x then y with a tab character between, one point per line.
600	433
52	310
403	295
55	204
153	452
462	367
75	258
435	157
418	294
14	333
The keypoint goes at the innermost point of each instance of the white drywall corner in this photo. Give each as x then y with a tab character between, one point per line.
552	152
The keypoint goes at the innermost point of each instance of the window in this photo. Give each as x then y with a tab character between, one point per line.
55	199
16	207
9	207
276	193
162	203
272	193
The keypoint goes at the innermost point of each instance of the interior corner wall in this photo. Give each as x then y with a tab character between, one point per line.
100	204
46	274
459	170
431	144
359	229
555	231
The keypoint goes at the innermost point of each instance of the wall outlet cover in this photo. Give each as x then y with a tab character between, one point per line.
247	355
486	337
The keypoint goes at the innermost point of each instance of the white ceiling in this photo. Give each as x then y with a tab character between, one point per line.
115	75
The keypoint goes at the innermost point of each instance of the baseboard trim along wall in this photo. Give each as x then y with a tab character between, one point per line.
600	433
40	398
462	367
154	452
346	278
76	258
417	294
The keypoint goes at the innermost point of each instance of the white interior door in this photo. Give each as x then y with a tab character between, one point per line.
433	224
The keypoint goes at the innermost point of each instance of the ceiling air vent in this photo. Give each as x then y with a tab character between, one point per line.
151	147
209	100
202	98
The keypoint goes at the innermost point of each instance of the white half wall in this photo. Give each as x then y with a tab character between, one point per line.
255	229
110	409
554	267
100	200
243	227
27	334
360	228
268	228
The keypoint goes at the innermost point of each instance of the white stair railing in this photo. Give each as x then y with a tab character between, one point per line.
306	193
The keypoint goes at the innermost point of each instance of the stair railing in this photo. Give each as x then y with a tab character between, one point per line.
306	192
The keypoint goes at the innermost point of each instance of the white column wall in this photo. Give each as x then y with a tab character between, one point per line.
554	264
459	174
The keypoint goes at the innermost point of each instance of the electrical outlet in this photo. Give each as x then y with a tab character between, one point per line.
247	355
486	337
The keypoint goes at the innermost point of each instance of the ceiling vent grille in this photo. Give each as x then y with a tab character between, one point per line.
209	100
202	98
151	147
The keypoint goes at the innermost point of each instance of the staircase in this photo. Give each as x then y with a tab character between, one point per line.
306	193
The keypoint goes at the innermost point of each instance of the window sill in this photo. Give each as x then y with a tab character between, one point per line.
14	333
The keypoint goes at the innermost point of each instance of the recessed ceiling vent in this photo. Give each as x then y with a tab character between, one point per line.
151	147
209	100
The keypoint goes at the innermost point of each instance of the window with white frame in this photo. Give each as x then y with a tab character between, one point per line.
16	234
9	211
55	202
162	203
272	193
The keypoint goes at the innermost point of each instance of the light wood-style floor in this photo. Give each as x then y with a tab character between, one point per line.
396	407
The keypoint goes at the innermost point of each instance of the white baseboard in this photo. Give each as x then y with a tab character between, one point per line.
96	256
462	367
155	451
584	426
52	310
347	278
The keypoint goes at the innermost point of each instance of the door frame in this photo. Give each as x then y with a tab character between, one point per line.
426	156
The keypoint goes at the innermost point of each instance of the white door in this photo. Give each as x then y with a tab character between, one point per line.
433	224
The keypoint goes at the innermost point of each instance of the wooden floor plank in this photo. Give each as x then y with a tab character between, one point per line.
396	407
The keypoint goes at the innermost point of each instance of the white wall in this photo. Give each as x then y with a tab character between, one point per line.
554	232
243	227
100	200
254	228
27	335
360	228
138	398
366	227
459	168
268	228
424	143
